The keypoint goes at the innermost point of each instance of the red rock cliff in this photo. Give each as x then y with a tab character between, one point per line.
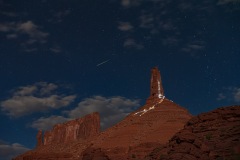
133	138
152	124
81	128
213	135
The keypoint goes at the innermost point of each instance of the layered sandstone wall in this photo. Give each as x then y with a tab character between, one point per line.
81	128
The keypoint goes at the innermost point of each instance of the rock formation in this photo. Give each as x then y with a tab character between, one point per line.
156	88
65	140
209	136
39	138
81	128
151	125
160	129
94	154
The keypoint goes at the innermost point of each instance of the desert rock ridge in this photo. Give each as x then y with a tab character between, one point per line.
133	138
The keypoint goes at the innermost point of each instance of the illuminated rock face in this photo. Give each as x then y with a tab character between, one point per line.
156	89
81	128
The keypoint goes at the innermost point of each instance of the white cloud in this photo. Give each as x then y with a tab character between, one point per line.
159	22
46	123
125	26
130	3
38	97
15	30
9	151
111	110
194	47
32	30
58	17
236	94
47	88
131	43
125	3
26	90
230	93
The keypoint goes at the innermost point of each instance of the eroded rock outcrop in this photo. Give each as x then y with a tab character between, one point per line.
133	138
94	154
209	136
65	141
160	129
81	128
154	123
39	138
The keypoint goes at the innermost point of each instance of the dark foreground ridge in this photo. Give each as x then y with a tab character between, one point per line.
209	136
160	129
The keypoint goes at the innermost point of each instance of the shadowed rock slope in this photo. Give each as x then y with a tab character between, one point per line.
209	136
140	132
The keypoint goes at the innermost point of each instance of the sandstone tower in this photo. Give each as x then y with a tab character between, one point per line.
156	89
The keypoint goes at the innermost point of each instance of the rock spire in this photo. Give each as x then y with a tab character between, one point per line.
156	89
39	138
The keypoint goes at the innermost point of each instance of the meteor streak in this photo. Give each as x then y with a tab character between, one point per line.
102	62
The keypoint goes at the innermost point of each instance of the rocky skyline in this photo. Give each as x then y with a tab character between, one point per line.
61	60
160	129
153	124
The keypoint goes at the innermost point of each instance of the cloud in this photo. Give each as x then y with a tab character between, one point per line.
147	20
5	27
9	14
170	41
125	26
32	31
9	151
236	94
221	96
39	97
222	2
125	3
56	49
131	43
111	109
46	123
130	3
166	27
193	47
3	142
15	30
59	16
230	93
12	36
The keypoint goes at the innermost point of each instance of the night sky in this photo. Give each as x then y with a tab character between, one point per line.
61	60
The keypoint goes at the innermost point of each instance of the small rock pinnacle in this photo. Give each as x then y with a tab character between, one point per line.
156	89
